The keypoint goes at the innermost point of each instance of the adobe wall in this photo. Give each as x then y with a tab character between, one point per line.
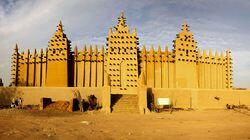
180	98
203	98
32	95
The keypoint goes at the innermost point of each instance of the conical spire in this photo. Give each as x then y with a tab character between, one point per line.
151	52
41	52
122	19
122	14
185	27
84	49
159	50
90	49
135	31
166	50
16	47
102	49
60	26
144	50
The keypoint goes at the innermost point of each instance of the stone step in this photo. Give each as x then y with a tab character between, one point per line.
131	112
132	100
124	107
125	104
129	98
126	110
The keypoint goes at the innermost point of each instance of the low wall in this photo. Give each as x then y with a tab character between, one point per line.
180	98
203	98
32	95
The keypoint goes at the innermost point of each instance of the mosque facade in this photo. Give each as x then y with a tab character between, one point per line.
123	61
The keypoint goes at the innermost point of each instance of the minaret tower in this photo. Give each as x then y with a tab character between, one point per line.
185	58
14	67
122	59
58	59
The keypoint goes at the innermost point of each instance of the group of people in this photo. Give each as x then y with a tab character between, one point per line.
16	103
84	105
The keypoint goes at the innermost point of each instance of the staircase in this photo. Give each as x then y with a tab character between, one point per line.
124	103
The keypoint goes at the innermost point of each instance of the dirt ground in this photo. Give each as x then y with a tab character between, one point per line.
206	124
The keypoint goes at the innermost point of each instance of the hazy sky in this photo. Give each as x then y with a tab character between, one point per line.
216	24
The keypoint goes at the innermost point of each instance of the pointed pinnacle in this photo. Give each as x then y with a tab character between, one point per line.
134	31
152	50
143	49
60	26
90	49
185	26
122	14
159	49
102	49
166	49
16	47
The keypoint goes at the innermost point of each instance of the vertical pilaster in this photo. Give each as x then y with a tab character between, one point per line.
76	61
84	51
100	67
165	69
94	68
88	67
151	68
158	68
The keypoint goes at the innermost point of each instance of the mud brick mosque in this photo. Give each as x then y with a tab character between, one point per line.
124	61
125	76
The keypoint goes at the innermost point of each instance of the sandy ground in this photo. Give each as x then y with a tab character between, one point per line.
184	125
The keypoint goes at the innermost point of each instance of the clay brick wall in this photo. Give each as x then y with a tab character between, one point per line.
32	95
180	98
89	67
203	98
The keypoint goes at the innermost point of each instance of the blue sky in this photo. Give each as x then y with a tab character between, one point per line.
216	24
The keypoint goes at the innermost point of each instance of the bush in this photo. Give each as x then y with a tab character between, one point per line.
7	94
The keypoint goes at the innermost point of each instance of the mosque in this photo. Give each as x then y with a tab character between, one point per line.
124	61
125	76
